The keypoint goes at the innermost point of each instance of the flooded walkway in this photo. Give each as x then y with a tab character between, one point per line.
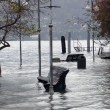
87	89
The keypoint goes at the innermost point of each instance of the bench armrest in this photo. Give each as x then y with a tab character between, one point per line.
43	80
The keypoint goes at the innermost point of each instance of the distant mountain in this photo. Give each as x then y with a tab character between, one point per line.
67	10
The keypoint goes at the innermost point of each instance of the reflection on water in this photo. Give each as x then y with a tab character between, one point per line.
19	90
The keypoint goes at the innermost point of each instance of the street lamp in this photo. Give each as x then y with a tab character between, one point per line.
51	50
90	8
20	37
39	38
39	34
51	91
93	32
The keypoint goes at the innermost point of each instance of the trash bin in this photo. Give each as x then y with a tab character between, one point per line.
81	62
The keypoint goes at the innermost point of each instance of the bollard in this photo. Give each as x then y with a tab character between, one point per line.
69	43
81	62
0	71
63	44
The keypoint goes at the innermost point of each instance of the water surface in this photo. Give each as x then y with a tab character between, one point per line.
87	89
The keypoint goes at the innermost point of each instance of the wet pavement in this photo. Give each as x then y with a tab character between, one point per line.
87	89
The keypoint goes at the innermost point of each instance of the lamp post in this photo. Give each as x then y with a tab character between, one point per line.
51	51
20	47
20	37
96	9
51	91
93	32
39	39
91	8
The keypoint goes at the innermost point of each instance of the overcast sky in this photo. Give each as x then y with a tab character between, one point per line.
68	9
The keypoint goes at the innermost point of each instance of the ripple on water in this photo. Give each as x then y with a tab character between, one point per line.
87	89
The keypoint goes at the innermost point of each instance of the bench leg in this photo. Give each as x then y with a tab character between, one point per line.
57	88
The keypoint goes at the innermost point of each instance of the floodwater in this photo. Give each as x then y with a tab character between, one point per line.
87	89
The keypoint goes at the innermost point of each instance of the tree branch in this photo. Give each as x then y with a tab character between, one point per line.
5	44
10	24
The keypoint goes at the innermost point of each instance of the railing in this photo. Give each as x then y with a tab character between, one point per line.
91	48
77	45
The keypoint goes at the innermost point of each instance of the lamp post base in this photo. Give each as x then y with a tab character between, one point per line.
51	91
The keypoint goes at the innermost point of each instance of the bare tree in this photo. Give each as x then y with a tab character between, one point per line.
101	14
17	15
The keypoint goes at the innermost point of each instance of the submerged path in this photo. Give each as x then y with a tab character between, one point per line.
87	89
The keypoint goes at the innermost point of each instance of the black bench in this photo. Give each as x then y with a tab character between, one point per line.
59	76
73	57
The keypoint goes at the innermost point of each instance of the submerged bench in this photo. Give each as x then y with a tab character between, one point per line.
73	57
59	76
69	58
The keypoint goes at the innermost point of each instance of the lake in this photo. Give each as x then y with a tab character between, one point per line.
87	89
